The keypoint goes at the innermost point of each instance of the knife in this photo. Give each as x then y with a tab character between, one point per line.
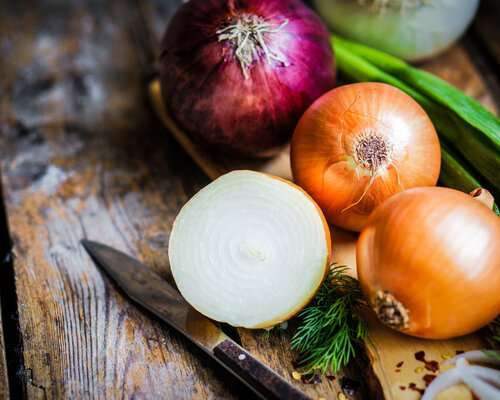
156	295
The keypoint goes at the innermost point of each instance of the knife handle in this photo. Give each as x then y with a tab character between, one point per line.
256	375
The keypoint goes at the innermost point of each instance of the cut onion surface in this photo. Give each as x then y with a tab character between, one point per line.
249	249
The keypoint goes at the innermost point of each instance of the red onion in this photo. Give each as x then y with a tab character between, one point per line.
237	75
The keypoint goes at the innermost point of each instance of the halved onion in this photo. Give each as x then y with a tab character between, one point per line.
249	249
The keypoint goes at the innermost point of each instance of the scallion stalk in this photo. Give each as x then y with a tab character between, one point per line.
454	175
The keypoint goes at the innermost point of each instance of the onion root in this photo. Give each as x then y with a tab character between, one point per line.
390	310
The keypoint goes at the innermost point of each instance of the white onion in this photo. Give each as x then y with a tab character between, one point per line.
410	29
485	382
249	249
442	382
475	356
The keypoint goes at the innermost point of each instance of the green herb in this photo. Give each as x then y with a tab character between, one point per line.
494	339
463	124
454	175
331	324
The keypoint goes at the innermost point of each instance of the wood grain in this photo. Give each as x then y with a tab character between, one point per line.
4	381
83	156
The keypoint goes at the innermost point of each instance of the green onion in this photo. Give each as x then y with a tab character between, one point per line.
455	176
440	91
467	127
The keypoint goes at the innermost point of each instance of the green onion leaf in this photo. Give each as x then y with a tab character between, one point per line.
435	88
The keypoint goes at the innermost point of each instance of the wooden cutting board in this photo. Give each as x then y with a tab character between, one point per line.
393	368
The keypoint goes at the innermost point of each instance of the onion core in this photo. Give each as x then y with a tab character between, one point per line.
249	249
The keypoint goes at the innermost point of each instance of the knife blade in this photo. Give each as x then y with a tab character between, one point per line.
151	291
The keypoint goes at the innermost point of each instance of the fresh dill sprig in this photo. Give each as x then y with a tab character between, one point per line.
331	324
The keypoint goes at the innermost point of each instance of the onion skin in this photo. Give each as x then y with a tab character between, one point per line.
435	250
205	90
323	150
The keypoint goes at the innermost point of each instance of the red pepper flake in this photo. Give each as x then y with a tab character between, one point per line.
420	356
399	364
349	385
398	370
428	378
402	387
414	387
432	366
330	377
311	379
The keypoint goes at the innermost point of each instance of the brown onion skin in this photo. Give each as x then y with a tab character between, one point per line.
322	156
206	93
436	250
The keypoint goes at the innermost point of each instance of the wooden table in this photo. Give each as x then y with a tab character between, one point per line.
83	155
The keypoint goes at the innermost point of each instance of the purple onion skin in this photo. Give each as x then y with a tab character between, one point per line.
204	87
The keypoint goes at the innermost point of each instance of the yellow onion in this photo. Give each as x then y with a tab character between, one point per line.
359	144
249	249
428	262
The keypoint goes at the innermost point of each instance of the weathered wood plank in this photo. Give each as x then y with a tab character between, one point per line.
4	381
82	156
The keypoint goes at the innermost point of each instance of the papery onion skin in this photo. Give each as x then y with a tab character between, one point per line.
210	243
435	251
414	32
324	150
203	82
